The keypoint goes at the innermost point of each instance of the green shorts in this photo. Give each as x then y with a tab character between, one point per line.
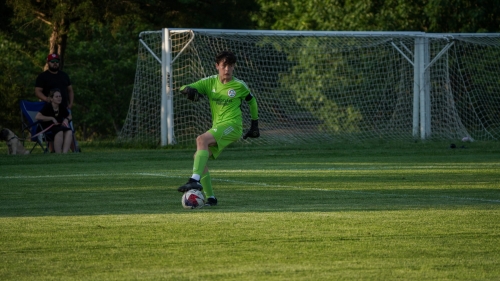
224	135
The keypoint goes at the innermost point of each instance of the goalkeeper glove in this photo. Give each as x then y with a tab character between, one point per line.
191	93
254	130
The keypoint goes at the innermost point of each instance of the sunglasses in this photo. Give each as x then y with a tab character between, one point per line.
54	61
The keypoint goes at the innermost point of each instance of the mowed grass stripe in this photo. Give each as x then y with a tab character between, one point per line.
364	214
412	244
296	173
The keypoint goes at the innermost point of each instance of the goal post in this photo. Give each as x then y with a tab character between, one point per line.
322	86
167	95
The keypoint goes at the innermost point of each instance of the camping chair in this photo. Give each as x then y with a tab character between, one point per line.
31	127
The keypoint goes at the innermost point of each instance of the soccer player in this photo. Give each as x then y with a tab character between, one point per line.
225	94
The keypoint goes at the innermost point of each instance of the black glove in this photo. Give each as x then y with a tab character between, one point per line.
191	93
254	130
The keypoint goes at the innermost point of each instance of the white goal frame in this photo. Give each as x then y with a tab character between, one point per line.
418	56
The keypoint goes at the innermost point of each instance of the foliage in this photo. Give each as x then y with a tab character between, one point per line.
102	69
309	83
391	15
378	15
16	81
477	76
468	16
340	15
98	39
224	14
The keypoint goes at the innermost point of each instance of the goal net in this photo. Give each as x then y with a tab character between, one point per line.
315	87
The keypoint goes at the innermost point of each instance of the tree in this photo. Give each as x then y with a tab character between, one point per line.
15	81
59	15
463	16
377	15
102	64
362	15
55	17
341	15
98	42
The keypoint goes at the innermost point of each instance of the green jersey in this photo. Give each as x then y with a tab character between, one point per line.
225	99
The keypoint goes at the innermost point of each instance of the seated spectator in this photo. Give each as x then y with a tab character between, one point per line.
59	116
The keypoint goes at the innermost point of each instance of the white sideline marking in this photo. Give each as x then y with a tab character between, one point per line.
67	176
247	183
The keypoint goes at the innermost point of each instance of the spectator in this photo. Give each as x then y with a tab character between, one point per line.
53	78
53	113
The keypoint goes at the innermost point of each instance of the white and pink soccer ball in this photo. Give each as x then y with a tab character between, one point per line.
193	199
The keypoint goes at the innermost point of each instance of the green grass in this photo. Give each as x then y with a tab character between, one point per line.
408	211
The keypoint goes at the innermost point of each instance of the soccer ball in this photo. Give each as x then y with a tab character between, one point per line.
193	199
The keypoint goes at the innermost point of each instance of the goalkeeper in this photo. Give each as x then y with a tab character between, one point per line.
225	94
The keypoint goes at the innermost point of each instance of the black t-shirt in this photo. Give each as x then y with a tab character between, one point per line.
48	110
48	81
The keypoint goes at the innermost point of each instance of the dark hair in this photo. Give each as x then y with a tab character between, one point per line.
53	91
225	56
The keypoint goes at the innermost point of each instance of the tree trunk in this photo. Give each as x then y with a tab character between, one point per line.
58	40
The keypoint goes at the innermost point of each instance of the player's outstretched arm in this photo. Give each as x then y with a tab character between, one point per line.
191	93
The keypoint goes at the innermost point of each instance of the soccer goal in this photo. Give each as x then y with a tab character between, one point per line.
323	86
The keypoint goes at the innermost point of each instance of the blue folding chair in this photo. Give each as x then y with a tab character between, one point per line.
30	126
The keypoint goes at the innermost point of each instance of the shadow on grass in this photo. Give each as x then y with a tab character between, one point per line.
46	202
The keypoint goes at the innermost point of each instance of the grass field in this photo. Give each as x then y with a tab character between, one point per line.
418	211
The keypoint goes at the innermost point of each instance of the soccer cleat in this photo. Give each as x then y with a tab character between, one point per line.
191	184
211	202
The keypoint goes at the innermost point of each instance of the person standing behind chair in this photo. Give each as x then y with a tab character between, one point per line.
53	113
53	78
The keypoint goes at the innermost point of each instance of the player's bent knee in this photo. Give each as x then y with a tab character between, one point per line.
204	140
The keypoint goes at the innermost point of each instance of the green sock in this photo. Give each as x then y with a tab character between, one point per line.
206	182
200	161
